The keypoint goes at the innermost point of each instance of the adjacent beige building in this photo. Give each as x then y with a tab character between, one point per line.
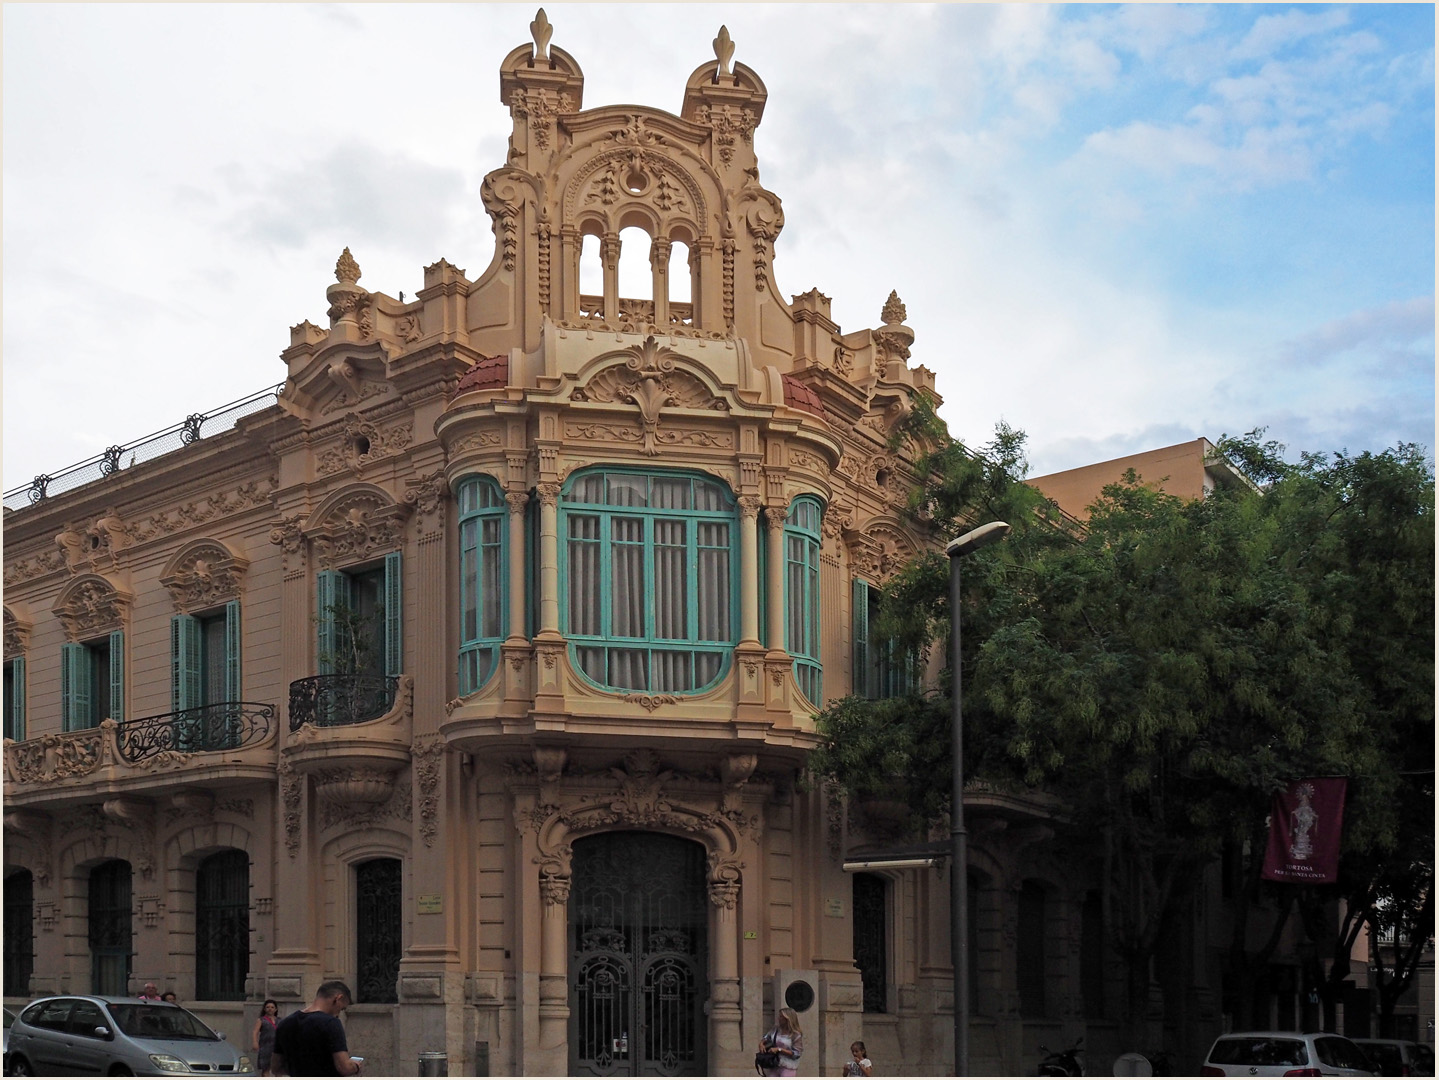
1187	470
478	668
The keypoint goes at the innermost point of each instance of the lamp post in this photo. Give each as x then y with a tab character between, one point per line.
958	862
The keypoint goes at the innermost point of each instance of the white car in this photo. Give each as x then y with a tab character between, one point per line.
1286	1053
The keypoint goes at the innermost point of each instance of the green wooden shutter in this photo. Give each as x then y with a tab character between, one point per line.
185	684
74	687
15	707
117	675
859	684
394	623
234	690
331	590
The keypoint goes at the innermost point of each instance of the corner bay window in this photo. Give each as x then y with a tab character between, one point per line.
650	579
482	592
801	629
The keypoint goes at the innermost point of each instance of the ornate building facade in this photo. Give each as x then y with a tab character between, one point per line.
480	669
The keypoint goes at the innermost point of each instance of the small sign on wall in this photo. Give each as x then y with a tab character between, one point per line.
751	935
834	908
430	903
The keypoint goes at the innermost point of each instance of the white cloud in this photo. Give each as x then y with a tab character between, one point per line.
1273	33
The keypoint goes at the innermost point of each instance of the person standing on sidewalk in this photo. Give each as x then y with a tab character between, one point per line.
311	1042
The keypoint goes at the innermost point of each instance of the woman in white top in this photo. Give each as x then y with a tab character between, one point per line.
785	1040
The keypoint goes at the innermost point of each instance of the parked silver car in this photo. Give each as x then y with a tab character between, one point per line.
112	1036
1286	1053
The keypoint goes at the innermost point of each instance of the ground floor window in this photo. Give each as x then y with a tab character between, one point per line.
377	930
1030	949
222	926
19	933
871	939
110	922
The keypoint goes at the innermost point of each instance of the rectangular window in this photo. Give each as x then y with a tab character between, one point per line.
359	620
205	678
92	682
878	671
871	939
14	702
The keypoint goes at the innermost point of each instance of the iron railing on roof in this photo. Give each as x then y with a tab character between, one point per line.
116	459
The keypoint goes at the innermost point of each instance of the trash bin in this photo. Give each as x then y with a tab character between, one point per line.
434	1063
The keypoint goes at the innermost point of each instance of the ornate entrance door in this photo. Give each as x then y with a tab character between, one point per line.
639	925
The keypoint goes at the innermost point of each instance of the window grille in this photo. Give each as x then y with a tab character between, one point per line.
377	930
222	926
109	911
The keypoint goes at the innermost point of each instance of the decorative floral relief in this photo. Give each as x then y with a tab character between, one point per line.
363	443
17	636
348	399
51	758
428	758
197	513
90	607
206	576
650	701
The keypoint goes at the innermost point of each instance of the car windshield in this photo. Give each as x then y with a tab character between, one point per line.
1259	1051
159	1022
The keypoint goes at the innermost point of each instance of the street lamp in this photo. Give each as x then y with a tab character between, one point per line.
958	878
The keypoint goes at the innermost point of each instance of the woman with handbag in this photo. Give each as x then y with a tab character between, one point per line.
781	1047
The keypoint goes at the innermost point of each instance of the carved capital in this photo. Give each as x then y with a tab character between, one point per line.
749	506
518	502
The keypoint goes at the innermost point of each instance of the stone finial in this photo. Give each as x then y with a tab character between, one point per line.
347	270
724	50
542	31
893	310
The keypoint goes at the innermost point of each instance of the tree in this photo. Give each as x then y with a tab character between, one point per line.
1167	668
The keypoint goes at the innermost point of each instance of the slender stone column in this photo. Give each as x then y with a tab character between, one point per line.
517	502
610	258
774	520
549	557
554	974
726	1038
660	269
749	506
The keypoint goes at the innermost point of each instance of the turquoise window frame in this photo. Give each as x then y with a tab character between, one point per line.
650	643
482	511
802	539
878	673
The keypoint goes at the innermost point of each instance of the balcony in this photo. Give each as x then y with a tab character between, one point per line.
341	700
636	313
351	733
215	745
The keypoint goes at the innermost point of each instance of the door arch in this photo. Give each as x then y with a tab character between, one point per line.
639	953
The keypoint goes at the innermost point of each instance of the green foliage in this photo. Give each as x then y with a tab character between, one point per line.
1170	666
357	640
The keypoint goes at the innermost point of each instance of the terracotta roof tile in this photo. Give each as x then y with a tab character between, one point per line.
799	396
488	373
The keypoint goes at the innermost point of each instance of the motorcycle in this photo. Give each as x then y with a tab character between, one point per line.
1062	1062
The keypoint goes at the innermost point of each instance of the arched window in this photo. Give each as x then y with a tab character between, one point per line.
110	924
19	933
681	287
378	890
222	926
649	578
592	269
801	630
483	558
636	276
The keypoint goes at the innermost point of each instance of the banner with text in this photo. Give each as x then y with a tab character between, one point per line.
1304	829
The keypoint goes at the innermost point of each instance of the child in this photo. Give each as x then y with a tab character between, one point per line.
861	1065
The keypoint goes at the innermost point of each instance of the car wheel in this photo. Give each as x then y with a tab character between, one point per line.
19	1067
120	1070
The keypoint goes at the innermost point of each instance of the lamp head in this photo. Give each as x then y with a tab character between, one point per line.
976	539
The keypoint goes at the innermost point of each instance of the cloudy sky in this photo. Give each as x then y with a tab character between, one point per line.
1113	227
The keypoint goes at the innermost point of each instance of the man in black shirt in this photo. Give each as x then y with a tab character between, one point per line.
312	1042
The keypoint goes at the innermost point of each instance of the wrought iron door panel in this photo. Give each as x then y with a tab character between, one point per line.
638	917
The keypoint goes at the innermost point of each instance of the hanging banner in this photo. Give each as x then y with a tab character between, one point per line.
1304	828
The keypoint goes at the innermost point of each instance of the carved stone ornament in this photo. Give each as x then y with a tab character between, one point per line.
189	515
428	756
895	549
650	701
359	525
427	496
352	816
90	607
363	443
649	379
17	636
347	270
204	575
292	790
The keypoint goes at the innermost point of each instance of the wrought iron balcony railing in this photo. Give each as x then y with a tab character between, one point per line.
225	725
335	700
